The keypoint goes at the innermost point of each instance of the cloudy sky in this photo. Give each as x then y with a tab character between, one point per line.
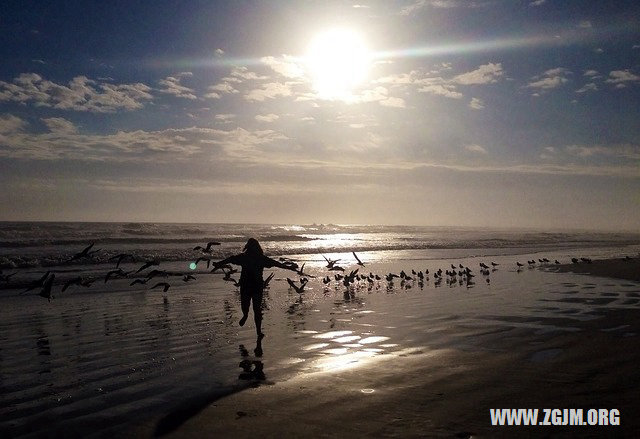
506	113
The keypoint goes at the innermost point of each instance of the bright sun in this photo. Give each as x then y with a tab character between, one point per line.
338	60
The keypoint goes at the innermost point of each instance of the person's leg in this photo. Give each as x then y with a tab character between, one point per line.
257	312
245	300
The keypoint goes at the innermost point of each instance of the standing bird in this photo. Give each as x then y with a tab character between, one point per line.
358	259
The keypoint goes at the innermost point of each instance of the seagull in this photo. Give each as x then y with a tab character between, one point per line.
265	283
299	289
117	272
121	257
336	268
87	252
557	262
188	277
519	264
575	260
204	258
147	265
326	280
494	264
46	287
330	263
39	283
206	249
164	285
358	259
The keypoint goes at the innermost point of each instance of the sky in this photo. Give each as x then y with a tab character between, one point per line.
479	113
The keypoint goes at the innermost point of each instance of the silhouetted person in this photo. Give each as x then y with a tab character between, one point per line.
253	262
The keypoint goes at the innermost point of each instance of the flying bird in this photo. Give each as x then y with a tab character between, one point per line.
46	287
87	252
119	272
39	283
265	283
188	277
206	249
147	265
330	262
358	259
298	289
122	256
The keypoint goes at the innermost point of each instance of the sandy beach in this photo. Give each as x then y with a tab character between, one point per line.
447	392
401	359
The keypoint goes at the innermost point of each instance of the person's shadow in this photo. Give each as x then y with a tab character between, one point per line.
252	375
252	370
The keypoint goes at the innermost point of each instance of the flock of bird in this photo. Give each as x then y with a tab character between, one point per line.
460	274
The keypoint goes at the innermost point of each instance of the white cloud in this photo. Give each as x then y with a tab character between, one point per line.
218	52
537	3
169	145
81	94
631	152
442	4
216	91
485	74
269	91
11	124
393	102
224	117
286	65
59	125
552	78
476	104
475	148
591	73
618	76
588	87
173	86
585	24
267	117
446	90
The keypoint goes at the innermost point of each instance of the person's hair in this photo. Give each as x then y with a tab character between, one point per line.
252	247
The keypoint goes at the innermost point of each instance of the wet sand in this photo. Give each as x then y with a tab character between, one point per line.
614	268
444	392
414	361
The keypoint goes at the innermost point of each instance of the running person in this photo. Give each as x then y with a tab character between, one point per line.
253	262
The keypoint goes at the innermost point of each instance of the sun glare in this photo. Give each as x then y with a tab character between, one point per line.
338	60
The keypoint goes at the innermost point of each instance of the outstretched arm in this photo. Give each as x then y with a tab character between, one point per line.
230	260
273	263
